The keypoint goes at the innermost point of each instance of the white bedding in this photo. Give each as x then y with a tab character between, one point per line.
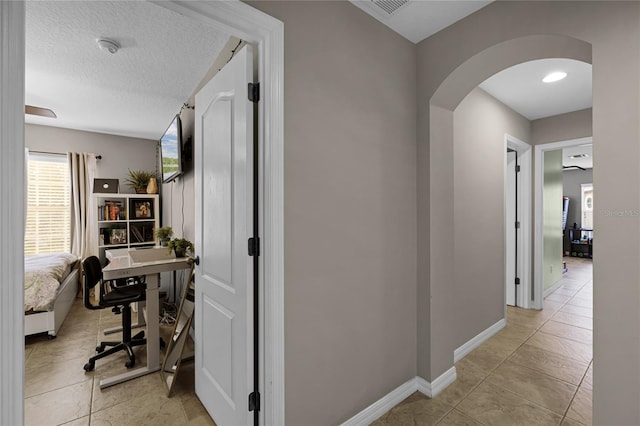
42	276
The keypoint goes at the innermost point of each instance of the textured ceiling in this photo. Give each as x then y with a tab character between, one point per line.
418	19
521	87
135	92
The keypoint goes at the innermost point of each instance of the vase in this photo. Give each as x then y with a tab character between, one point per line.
152	187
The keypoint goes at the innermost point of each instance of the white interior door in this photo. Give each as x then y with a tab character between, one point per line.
224	349
510	229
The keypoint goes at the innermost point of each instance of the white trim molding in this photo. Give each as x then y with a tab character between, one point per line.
438	385
12	160
383	405
399	394
551	289
538	284
523	154
476	341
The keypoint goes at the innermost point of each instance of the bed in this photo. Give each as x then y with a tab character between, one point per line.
50	288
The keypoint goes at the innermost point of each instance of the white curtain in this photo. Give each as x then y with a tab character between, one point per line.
84	226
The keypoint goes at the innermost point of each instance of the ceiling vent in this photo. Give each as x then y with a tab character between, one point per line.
389	7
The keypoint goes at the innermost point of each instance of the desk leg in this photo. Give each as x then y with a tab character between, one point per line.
153	338
153	323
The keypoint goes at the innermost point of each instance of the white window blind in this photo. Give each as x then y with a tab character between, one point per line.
48	228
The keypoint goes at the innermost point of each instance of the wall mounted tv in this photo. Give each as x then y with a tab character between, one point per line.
171	151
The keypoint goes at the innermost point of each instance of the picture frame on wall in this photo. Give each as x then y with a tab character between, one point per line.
118	236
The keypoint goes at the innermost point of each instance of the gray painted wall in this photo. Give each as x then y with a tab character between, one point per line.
119	153
350	209
480	124
552	217
612	29
572	125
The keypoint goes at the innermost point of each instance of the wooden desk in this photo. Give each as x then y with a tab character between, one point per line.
122	266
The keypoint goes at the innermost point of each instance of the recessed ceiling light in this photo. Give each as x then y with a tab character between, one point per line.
554	76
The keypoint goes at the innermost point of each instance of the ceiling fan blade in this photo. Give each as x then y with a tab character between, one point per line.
43	112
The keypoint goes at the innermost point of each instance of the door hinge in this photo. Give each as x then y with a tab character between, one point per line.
517	225
517	281
254	246
517	168
254	401
254	92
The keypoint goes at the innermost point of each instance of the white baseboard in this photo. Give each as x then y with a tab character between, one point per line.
438	385
384	404
396	396
463	350
552	289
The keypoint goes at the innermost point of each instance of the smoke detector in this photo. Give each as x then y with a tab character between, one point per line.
107	45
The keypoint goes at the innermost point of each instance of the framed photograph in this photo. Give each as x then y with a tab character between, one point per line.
142	210
119	236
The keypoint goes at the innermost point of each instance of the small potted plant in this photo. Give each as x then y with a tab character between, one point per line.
139	179
180	246
164	234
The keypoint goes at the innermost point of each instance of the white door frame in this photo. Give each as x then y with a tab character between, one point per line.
523	155
232	17
538	285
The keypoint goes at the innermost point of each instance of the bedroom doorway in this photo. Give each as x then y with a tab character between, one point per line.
517	196
237	18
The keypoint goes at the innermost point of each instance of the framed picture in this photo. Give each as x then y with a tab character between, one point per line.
142	210
119	236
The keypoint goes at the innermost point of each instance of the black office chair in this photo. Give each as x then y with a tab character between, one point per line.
119	297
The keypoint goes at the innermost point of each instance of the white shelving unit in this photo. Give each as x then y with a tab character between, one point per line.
126	221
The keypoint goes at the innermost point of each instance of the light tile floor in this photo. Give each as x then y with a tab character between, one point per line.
536	371
58	391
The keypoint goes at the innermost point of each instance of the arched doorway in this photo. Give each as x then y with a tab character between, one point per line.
458	320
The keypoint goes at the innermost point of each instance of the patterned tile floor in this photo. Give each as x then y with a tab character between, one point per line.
58	391
536	371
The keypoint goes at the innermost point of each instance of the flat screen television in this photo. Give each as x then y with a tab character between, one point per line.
171	151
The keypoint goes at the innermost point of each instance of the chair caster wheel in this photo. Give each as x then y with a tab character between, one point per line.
100	349
130	363
89	366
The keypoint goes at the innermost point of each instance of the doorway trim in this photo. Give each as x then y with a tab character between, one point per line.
12	16
538	286
232	17
523	154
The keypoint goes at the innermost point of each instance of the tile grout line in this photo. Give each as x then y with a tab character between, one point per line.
576	393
